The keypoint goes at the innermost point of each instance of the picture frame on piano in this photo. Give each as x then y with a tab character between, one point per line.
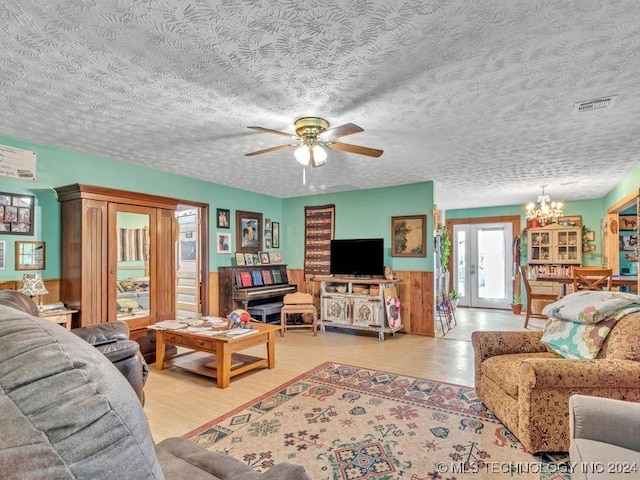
248	259
264	258
240	259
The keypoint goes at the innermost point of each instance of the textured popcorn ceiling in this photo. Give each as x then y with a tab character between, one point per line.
474	95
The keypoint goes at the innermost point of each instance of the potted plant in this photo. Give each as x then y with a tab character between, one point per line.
516	303
454	296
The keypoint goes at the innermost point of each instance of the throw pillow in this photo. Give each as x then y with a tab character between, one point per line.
589	306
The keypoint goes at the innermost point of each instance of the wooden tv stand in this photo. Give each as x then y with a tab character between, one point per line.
355	311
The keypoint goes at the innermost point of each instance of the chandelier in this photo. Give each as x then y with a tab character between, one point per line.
544	211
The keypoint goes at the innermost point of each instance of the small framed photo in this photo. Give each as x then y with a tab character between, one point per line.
264	258
248	259
223	242
590	236
255	258
275	235
240	259
267	224
223	218
276	256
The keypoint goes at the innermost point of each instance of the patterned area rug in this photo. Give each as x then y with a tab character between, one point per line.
349	423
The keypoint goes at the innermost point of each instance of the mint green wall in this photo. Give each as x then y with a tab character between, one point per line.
630	184
363	214
57	167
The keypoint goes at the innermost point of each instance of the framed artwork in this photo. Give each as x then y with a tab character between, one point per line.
223	218
240	259
275	235
248	231
267	224
409	236
628	222
248	259
276	257
16	214
264	258
255	258
30	256
223	241
590	236
3	247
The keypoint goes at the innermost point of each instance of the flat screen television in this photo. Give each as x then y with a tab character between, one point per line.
359	257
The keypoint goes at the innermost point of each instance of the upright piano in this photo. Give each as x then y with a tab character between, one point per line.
246	286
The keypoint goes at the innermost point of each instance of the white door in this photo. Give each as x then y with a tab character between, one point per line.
482	265
188	276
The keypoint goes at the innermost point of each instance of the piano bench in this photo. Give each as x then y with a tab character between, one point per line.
264	310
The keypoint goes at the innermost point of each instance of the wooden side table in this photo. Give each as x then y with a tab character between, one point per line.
63	317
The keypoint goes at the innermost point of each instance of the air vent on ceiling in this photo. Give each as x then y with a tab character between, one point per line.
596	104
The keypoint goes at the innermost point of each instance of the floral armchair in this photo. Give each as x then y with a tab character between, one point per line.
527	385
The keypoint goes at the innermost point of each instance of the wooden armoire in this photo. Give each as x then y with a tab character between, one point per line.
89	266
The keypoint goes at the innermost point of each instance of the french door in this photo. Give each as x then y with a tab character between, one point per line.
482	264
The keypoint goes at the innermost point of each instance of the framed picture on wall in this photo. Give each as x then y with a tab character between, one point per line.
628	222
223	218
248	232
223	241
275	235
409	236
16	214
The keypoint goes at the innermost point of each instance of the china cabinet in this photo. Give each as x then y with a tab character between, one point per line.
555	244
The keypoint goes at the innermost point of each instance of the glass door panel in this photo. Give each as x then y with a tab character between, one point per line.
482	265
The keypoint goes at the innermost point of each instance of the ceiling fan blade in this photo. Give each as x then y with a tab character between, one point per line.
341	131
346	147
275	132
272	149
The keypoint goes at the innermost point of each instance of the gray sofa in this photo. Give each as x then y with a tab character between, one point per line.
604	438
68	413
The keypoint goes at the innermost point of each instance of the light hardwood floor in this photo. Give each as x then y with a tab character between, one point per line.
177	402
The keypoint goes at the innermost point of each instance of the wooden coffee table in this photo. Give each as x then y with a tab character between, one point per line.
216	356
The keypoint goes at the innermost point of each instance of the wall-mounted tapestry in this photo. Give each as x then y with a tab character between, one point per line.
318	232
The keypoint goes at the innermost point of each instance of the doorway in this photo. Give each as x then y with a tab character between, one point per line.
191	261
482	264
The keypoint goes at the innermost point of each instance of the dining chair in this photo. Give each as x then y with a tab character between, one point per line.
531	296
592	278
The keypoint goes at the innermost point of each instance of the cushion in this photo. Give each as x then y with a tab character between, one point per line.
589	306
126	303
576	340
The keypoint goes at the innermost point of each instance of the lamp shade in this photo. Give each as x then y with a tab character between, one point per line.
33	285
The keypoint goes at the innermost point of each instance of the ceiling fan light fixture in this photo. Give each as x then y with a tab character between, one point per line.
303	155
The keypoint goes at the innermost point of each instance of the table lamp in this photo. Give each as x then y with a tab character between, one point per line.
33	285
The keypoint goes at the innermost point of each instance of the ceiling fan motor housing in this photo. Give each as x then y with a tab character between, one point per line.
308	128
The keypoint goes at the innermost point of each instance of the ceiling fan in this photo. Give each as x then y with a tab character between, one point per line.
313	133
